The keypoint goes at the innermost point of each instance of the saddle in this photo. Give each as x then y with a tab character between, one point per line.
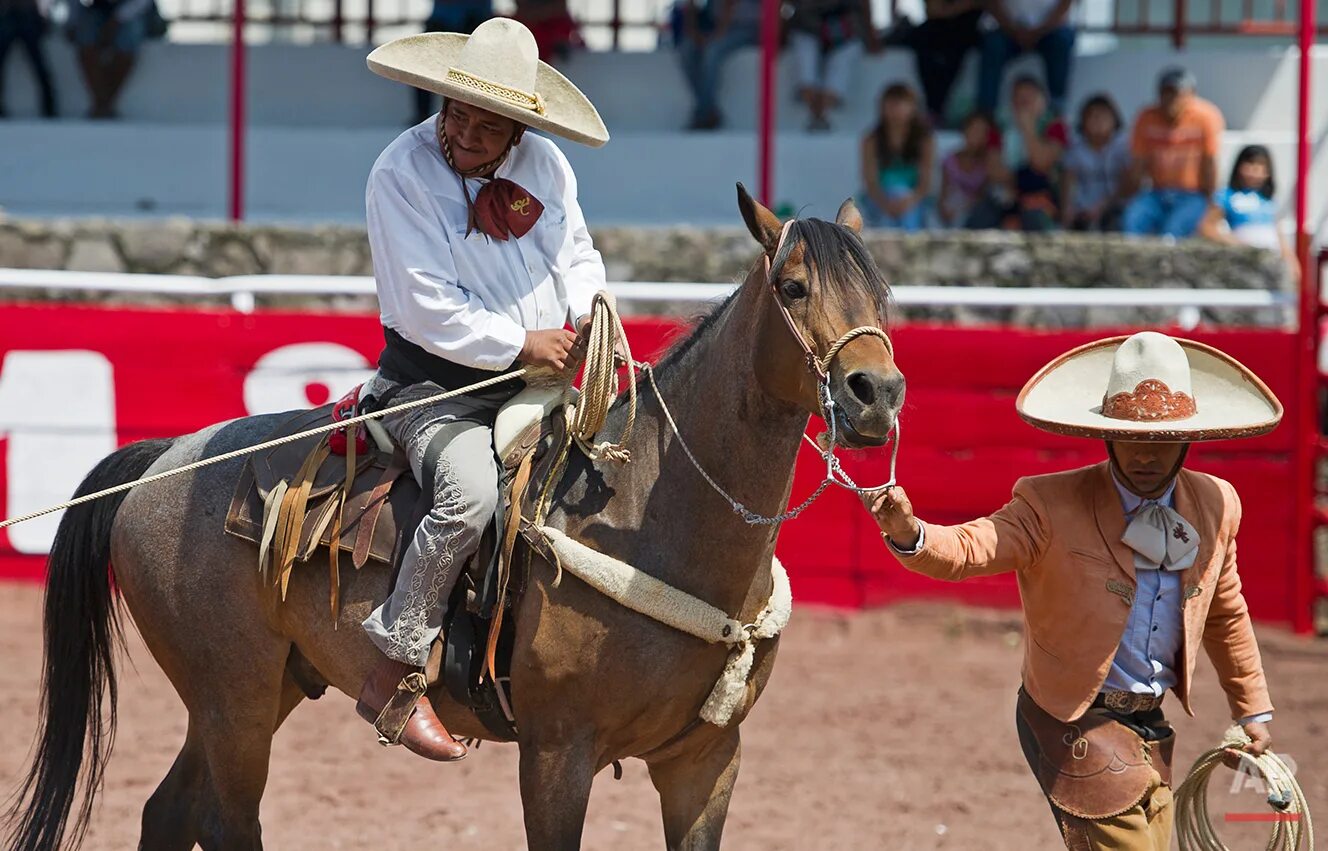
355	496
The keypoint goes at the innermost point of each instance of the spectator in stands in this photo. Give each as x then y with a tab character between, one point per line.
1174	145
1019	26
705	40
827	38
556	33
22	21
450	16
1093	180
1244	213
897	157
108	34
965	172
940	44
1025	163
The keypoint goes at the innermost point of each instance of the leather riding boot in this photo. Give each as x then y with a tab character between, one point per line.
423	732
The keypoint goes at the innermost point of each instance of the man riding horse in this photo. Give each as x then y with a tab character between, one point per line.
481	257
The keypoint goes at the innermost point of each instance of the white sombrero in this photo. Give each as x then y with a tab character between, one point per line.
497	68
1148	387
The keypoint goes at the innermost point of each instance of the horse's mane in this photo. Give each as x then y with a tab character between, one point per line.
839	260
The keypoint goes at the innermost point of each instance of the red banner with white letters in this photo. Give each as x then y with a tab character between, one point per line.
76	382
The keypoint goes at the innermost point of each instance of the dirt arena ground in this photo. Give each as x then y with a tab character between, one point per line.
891	729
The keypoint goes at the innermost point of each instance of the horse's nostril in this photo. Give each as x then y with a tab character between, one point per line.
862	387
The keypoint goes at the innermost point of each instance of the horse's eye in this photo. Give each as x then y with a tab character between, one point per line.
793	290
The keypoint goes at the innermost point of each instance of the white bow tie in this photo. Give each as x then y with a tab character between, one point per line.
1164	538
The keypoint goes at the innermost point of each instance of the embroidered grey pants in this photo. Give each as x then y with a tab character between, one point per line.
464	498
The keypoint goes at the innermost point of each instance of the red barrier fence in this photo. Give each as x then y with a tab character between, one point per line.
77	381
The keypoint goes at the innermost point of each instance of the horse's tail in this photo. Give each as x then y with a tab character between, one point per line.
82	627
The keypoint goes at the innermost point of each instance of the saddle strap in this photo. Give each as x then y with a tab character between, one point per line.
290	520
516	499
369	517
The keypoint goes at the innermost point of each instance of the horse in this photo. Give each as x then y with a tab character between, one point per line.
592	682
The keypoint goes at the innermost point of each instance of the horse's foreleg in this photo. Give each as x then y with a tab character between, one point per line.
694	790
555	789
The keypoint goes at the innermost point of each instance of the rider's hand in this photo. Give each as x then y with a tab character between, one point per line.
550	347
894	514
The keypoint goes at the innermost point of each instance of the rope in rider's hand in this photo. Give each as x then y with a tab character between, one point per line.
1291	815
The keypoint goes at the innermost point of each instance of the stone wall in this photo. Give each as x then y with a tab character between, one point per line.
210	249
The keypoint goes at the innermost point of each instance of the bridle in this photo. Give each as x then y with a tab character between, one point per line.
820	369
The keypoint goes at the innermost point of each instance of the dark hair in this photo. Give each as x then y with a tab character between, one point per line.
1104	101
1028	80
1255	152
977	115
914	140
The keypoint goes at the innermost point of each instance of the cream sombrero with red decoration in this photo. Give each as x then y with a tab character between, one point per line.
496	68
1149	387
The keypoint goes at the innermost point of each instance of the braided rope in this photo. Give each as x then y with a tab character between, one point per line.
599	385
861	331
526	100
1291	824
249	450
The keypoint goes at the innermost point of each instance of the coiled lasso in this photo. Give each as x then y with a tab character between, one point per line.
1290	817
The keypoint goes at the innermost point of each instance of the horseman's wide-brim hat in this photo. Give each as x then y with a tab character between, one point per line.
496	68
1149	388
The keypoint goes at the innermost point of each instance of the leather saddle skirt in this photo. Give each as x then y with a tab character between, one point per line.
377	515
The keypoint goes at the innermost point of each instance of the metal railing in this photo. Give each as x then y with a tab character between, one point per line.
640	24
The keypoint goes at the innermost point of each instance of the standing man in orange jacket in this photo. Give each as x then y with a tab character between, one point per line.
1125	569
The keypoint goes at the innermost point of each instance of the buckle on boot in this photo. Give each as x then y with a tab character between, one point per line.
392	720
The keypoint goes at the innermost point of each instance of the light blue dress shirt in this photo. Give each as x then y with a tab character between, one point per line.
1145	661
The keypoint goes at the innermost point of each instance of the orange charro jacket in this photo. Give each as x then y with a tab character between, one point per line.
1061	534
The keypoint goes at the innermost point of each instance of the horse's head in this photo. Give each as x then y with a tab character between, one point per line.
822	289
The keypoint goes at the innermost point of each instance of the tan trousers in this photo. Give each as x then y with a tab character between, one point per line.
1144	827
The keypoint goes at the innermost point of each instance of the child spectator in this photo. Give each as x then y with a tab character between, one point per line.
705	41
1175	146
897	157
1244	213
827	37
1025	159
22	21
1096	166
964	173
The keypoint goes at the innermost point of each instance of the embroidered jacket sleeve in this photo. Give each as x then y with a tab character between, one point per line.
1012	539
585	274
414	269
1229	637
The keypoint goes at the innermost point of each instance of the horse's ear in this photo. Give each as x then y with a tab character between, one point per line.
848	216
764	225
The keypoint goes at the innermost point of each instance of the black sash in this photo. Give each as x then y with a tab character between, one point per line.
404	362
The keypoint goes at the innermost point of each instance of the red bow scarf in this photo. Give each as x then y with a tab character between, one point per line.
501	208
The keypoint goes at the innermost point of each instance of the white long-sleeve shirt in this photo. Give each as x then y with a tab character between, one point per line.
471	299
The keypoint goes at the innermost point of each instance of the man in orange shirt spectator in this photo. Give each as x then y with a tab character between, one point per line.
1175	146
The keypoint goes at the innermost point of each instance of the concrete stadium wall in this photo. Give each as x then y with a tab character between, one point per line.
959	259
